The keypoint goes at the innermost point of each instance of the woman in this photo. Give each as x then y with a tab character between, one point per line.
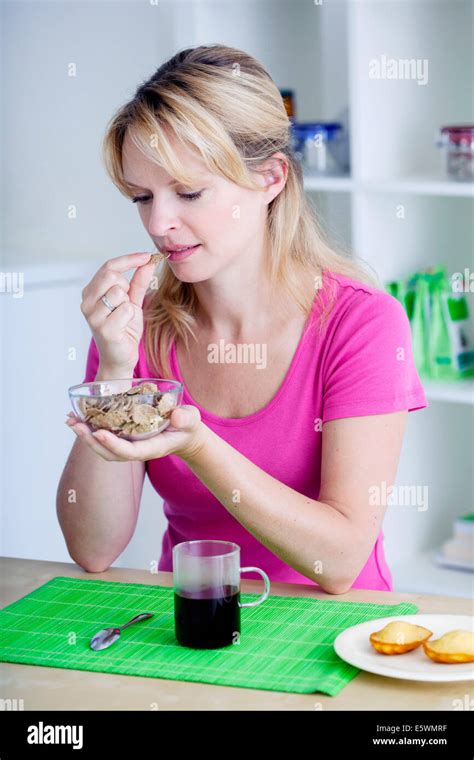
297	368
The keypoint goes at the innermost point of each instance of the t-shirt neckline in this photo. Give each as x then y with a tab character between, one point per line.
232	421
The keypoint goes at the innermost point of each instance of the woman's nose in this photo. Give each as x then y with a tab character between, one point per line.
163	216
162	220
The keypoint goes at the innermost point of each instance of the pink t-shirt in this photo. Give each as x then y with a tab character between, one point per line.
361	365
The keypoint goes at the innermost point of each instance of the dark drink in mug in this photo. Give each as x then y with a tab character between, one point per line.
206	577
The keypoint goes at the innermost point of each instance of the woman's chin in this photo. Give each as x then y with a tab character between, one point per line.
191	276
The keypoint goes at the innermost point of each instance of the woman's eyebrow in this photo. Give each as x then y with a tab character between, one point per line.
172	182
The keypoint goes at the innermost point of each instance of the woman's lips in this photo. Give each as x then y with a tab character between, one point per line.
180	255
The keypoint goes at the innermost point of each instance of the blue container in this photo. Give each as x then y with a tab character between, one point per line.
322	147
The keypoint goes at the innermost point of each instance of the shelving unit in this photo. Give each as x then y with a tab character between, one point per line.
396	164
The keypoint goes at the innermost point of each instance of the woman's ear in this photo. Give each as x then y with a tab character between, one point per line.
275	173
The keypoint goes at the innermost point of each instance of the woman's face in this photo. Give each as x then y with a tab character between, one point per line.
227	220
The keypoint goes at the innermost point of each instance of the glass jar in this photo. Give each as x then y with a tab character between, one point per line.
289	103
458	142
320	147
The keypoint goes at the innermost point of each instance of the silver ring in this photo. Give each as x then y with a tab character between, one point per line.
107	303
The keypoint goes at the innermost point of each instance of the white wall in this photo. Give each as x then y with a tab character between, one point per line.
54	123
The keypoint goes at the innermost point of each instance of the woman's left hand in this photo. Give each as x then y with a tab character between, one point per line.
184	437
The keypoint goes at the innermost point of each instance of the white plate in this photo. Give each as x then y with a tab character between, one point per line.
353	646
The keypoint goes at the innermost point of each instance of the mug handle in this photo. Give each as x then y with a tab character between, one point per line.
266	581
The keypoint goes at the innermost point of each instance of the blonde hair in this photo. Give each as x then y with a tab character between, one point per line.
226	108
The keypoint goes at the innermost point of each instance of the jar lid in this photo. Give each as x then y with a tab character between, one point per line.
459	133
311	128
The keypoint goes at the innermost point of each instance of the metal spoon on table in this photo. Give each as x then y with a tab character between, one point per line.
108	636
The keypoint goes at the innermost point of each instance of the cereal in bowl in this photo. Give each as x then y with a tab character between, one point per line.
127	414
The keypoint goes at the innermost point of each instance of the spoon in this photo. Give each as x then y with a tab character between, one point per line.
108	636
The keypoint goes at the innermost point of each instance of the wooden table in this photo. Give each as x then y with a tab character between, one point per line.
43	688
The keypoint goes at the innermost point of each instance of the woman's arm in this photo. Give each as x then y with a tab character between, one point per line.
97	505
330	540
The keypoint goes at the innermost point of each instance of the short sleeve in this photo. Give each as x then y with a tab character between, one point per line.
369	367
92	363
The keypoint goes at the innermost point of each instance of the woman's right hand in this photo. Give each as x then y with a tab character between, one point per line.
117	333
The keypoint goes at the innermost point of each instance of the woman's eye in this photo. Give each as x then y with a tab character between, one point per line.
191	196
187	197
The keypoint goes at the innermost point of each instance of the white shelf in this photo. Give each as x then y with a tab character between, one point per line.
421	185
458	392
421	575
342	184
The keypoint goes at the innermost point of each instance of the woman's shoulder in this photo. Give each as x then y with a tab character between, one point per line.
347	286
358	304
349	292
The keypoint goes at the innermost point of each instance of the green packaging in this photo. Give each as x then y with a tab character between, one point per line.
451	349
420	323
443	347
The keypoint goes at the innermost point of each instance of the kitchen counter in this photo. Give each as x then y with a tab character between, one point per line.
43	688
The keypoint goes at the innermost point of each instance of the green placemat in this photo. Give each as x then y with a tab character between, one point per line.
286	643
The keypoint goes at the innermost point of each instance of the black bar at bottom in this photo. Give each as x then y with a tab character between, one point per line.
113	734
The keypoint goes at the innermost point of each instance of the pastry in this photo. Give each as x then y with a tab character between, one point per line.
399	637
453	647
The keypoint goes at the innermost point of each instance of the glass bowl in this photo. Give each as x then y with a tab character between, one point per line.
131	408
